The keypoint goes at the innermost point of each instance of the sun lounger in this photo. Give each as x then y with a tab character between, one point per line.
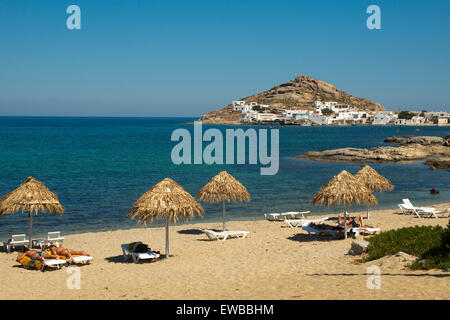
41	265
286	215
313	231
294	223
368	230
224	235
17	240
137	256
407	207
54	238
81	259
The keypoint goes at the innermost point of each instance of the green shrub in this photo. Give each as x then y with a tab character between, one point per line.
412	240
438	257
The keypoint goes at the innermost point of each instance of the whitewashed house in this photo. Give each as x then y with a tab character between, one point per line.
383	118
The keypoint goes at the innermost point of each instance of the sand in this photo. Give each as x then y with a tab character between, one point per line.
274	262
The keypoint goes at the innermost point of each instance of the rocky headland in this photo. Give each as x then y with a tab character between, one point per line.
435	150
299	93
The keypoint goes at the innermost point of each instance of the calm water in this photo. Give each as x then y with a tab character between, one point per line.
100	166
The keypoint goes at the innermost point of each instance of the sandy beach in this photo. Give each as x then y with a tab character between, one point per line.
274	262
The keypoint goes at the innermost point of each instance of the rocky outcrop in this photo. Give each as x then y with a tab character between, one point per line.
299	93
358	247
422	140
447	141
379	154
412	148
441	163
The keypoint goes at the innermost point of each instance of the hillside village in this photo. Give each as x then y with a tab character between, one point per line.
333	113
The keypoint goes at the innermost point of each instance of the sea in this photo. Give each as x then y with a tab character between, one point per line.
99	167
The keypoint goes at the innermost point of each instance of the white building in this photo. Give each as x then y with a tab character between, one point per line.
318	119
296	114
429	115
383	118
417	120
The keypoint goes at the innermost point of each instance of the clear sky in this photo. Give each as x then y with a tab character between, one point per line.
184	58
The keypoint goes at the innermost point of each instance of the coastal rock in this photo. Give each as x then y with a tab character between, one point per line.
358	247
422	140
378	154
442	163
299	93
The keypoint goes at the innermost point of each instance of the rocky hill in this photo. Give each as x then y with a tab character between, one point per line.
296	94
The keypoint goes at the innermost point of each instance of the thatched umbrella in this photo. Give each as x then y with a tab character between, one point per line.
32	196
346	189
166	199
223	187
374	181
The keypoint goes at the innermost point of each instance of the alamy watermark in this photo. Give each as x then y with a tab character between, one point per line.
374	20
374	281
235	151
73	282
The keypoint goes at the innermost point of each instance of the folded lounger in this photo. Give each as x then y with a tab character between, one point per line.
41	265
286	215
17	240
294	223
224	235
137	256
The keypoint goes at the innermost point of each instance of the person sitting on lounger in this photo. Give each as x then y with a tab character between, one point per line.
68	253
35	255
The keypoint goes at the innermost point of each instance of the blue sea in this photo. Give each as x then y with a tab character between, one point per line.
99	167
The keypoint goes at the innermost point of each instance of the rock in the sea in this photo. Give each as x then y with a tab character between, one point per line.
441	163
422	140
379	154
358	247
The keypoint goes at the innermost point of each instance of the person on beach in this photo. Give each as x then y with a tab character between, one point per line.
68	253
35	255
353	222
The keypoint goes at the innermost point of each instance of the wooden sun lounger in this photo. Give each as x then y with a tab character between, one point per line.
294	223
137	256
224	235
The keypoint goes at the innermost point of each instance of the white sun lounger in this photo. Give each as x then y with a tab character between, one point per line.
407	207
54	238
17	240
313	231
53	263
137	256
224	235
81	260
294	223
286	215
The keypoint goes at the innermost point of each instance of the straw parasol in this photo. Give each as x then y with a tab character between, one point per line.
166	199
374	181
223	187
32	196
346	189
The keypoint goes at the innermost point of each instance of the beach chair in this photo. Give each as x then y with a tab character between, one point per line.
286	215
81	259
42	265
317	232
17	240
294	223
54	238
137	256
407	207
224	235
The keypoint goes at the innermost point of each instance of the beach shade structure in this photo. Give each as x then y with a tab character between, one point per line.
223	187
344	189
374	181
31	196
165	200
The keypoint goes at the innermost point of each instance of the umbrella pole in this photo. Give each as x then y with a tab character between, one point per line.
31	229
345	222
167	237
368	215
223	214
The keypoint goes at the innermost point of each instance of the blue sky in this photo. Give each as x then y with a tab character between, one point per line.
184	58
